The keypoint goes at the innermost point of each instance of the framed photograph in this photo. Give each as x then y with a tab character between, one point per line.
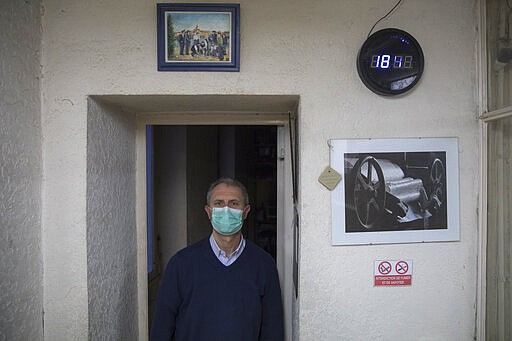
395	191
198	37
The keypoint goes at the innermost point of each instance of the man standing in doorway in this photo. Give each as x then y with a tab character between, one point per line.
223	287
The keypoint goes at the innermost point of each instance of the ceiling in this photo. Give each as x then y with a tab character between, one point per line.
202	104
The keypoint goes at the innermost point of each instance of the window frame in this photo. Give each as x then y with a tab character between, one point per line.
485	118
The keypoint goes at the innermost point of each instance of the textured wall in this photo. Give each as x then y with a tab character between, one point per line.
111	240
21	294
298	47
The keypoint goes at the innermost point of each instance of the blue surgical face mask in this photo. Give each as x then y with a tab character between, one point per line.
226	220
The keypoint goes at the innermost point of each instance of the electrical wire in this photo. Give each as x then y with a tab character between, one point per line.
507	21
384	17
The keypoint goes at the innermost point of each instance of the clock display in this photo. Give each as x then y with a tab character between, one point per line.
385	61
390	62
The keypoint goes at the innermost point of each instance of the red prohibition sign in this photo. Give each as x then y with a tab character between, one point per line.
402	267
385	268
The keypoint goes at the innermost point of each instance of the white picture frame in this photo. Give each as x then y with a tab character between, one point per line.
395	191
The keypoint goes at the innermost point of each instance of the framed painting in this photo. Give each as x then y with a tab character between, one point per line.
198	37
395	191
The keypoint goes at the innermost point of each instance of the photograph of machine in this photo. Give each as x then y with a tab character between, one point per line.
395	191
403	190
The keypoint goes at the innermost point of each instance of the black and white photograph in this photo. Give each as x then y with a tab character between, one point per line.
402	190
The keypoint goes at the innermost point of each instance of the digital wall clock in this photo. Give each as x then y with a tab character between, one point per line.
390	62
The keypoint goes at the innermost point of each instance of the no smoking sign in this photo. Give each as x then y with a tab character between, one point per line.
392	273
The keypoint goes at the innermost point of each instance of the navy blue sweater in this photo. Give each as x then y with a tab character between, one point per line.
202	299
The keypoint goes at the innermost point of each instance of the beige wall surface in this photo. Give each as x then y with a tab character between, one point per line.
21	280
305	48
111	228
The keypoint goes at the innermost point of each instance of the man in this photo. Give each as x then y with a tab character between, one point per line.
188	40
223	287
181	41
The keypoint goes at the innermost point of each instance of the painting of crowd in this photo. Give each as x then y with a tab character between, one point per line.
202	45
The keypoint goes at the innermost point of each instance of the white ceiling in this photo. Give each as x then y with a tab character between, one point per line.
175	104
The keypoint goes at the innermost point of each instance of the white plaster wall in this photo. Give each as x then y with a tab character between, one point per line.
21	289
111	229
288	47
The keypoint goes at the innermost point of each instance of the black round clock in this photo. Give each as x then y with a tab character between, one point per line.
390	62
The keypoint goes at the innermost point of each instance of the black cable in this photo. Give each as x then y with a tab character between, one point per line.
384	17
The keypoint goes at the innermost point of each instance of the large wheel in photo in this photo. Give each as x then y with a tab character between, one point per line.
369	192
436	184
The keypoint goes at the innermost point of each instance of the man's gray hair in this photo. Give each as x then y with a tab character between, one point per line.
228	182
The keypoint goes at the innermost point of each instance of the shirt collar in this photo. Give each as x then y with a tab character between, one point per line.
219	252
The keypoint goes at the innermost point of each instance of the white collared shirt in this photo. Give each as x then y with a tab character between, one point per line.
221	255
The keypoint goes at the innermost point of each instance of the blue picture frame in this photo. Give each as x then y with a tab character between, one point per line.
198	37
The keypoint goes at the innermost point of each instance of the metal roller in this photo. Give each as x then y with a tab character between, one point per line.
380	186
404	188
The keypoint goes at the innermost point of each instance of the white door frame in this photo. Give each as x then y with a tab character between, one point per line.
284	200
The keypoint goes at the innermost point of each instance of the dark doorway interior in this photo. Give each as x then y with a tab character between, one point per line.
184	161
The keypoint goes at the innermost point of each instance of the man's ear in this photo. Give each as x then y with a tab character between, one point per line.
247	209
208	211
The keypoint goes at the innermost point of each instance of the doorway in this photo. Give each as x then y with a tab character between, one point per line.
182	160
122	121
263	117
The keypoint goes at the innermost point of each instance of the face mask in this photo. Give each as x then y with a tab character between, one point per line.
226	221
